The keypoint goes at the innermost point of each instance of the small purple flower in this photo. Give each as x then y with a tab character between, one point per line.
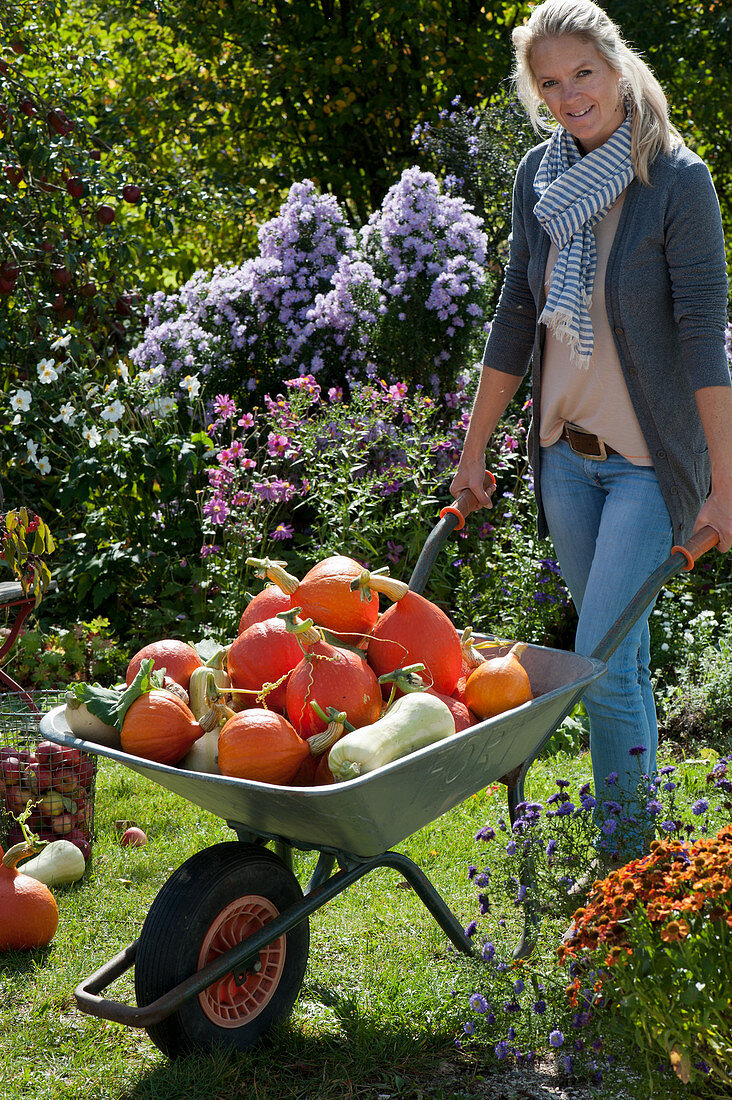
608	827
519	986
478	1003
668	826
637	750
283	531
700	807
611	778
654	807
539	1008
471	928
393	551
468	1027
565	809
551	848
556	1039
501	1050
567	1063
562	783
486	833
511	848
488	951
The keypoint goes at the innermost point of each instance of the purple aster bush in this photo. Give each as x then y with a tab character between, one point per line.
428	249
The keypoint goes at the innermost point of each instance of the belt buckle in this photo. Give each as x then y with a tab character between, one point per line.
602	453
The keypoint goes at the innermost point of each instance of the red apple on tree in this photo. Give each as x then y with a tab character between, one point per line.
131	193
75	187
105	214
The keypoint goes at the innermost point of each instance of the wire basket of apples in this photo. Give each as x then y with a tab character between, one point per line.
53	784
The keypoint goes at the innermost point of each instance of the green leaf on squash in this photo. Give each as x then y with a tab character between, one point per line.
110	705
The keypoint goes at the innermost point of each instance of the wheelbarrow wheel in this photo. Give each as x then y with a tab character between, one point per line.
212	902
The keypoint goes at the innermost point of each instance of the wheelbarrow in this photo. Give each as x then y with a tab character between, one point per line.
236	961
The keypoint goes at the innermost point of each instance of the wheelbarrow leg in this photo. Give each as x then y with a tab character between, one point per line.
532	915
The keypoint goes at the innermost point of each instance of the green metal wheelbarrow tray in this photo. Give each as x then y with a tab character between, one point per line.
223	950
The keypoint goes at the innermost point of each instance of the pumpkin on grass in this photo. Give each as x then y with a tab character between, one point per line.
261	745
28	909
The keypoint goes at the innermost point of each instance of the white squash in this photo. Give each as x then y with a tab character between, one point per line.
59	863
88	727
203	755
413	721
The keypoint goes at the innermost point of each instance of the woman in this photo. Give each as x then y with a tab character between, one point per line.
616	291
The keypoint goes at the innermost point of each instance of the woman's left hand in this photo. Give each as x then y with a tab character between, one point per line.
715	412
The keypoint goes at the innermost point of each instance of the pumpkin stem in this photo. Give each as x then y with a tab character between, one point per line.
517	649
303	629
330	714
472	656
275	571
406	679
22	850
377	581
321	743
217	660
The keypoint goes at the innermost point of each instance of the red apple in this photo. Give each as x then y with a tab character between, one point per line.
131	193
133	837
105	214
76	836
62	824
75	187
49	754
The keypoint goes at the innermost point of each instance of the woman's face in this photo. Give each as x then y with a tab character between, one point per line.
579	88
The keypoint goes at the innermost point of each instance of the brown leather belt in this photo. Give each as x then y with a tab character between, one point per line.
586	444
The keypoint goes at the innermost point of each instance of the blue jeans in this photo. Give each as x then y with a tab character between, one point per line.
611	529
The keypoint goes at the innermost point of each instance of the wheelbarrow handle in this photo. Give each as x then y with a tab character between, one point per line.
467	502
706	538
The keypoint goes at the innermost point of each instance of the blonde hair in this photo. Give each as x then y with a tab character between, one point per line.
650	128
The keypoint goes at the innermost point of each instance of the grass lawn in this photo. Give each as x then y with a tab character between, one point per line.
376	1016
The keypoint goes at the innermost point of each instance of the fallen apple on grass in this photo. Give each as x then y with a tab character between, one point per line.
133	837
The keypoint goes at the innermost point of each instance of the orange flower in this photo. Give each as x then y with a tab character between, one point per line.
675	930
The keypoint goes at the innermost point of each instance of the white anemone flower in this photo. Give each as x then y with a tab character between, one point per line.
47	371
44	465
92	436
21	401
113	412
191	384
67	413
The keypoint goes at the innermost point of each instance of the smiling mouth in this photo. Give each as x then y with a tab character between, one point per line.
580	114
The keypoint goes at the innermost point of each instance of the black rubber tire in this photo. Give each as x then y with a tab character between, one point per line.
175	928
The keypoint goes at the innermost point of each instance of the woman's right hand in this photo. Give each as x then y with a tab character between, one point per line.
471	474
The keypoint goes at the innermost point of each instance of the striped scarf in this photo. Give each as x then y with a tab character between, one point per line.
575	192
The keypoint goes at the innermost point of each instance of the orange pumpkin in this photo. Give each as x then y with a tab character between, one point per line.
332	677
498	684
263	653
159	726
261	745
324	595
28	909
265	605
414	630
179	659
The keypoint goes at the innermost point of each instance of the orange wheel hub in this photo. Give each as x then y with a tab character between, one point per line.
225	1003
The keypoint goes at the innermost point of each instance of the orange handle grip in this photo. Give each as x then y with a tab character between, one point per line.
467	502
705	539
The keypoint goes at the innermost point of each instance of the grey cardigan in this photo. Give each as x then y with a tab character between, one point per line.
666	301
